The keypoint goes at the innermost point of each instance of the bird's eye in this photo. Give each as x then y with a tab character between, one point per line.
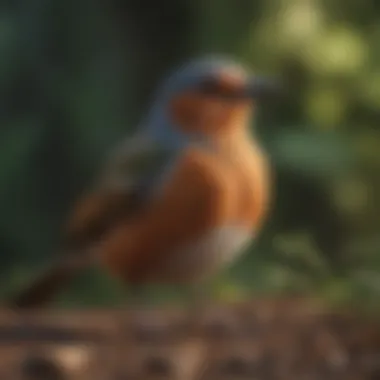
209	87
222	89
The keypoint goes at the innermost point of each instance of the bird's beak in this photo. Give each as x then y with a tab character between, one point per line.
265	88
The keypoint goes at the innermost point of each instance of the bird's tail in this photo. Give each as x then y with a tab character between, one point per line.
48	284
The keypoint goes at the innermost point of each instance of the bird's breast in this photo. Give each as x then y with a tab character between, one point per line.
205	256
200	220
243	184
243	175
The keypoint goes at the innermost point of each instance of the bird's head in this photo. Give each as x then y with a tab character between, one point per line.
206	98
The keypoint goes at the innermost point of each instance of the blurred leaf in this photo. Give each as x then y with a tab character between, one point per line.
352	196
229	292
300	22
337	291
339	50
370	89
311	154
325	106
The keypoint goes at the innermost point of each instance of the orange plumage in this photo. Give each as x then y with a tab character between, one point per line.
205	191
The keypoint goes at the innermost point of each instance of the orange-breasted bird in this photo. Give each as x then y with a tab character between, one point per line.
178	201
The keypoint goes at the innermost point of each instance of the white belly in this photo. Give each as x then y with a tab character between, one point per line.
207	256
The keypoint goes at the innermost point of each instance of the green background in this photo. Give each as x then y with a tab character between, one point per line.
76	76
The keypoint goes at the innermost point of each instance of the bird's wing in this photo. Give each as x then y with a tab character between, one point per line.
191	203
120	191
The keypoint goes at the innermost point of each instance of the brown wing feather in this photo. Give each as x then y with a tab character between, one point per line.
90	220
95	214
118	195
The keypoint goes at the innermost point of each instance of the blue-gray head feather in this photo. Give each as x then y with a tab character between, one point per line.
159	124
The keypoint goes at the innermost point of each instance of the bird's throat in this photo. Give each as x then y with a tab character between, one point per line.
232	141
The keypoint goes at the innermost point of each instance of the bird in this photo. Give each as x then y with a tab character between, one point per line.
180	199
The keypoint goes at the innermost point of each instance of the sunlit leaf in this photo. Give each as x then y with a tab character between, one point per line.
299	23
339	50
325	106
370	89
229	292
